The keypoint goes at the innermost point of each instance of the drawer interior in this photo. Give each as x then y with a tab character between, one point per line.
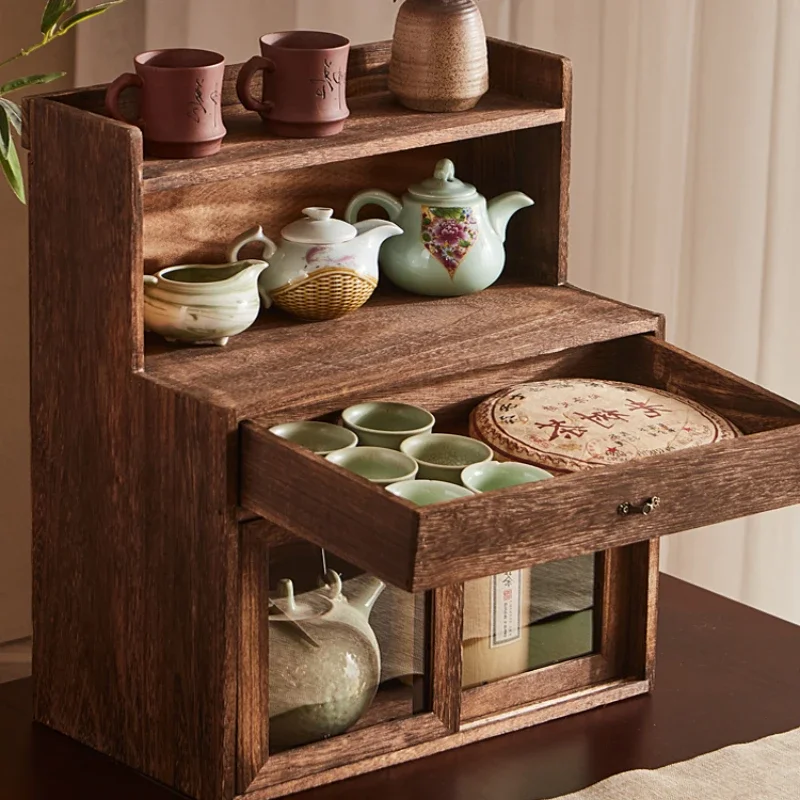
421	548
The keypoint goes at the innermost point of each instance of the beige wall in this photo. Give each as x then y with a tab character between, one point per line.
17	29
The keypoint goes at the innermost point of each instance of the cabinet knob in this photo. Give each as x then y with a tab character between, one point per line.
647	507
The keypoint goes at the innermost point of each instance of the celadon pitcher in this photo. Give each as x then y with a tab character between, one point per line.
203	302
324	661
453	241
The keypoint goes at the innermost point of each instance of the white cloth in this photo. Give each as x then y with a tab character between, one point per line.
768	769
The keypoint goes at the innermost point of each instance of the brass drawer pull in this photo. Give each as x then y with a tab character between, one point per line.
648	507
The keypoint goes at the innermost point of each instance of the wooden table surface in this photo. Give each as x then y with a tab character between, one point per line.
726	674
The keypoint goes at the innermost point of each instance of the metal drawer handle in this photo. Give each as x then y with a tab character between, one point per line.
647	507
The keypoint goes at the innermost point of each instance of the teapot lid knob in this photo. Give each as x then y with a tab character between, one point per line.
318	214
445	170
443	187
319	227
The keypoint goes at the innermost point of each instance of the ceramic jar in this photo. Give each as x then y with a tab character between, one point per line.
202	302
323	268
453	240
325	663
439	55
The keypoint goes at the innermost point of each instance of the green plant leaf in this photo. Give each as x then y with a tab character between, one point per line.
14	113
13	171
53	11
5	133
72	21
30	80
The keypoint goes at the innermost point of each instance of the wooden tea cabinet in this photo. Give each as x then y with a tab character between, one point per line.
159	493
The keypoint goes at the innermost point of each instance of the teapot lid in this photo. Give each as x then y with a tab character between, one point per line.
443	185
319	227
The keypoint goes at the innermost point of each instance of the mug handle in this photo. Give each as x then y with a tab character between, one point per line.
253	235
255	64
125	81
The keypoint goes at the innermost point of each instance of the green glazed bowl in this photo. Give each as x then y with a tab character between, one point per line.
387	424
443	456
376	464
500	475
319	437
426	493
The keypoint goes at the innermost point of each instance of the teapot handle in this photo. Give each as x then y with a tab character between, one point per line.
375	197
253	235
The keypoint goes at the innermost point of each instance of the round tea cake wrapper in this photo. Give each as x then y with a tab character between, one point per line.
576	424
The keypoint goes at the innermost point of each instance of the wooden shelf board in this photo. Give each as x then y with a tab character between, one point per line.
377	125
283	363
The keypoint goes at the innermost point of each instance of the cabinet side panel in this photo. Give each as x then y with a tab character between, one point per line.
191	591
135	571
541	161
88	609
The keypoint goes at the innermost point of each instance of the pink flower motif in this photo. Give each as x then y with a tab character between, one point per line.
448	231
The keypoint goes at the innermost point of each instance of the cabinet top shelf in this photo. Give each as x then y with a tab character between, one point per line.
378	124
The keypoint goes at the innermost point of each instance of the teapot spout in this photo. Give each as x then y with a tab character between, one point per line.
502	208
363	600
376	231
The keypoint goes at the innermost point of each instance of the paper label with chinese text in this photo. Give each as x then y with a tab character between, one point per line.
506	599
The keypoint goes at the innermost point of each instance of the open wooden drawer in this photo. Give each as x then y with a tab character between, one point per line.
421	548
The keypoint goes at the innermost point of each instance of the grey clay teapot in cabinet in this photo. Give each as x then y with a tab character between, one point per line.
453	241
324	661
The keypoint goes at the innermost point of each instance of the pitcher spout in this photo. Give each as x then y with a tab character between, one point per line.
502	208
248	272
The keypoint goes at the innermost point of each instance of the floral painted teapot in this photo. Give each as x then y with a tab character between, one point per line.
324	661
453	242
323	268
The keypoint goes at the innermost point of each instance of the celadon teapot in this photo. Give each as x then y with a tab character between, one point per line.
453	241
324	661
323	268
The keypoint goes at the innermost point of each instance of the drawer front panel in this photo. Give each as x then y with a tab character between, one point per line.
421	548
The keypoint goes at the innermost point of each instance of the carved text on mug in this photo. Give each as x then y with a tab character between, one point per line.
331	82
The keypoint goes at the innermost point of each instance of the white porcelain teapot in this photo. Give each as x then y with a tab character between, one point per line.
323	268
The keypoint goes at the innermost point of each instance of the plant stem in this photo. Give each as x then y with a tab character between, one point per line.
27	51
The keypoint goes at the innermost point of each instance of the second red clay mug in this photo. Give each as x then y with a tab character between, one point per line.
305	75
180	108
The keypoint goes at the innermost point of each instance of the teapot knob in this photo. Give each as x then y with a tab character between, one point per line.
445	170
318	214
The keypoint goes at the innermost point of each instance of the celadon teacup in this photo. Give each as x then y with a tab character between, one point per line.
319	437
426	493
377	464
385	424
496	475
443	456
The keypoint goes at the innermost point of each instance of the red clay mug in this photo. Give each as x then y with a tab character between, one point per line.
305	76
180	107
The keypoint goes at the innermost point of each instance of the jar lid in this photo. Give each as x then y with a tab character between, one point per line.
577	424
319	227
443	186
